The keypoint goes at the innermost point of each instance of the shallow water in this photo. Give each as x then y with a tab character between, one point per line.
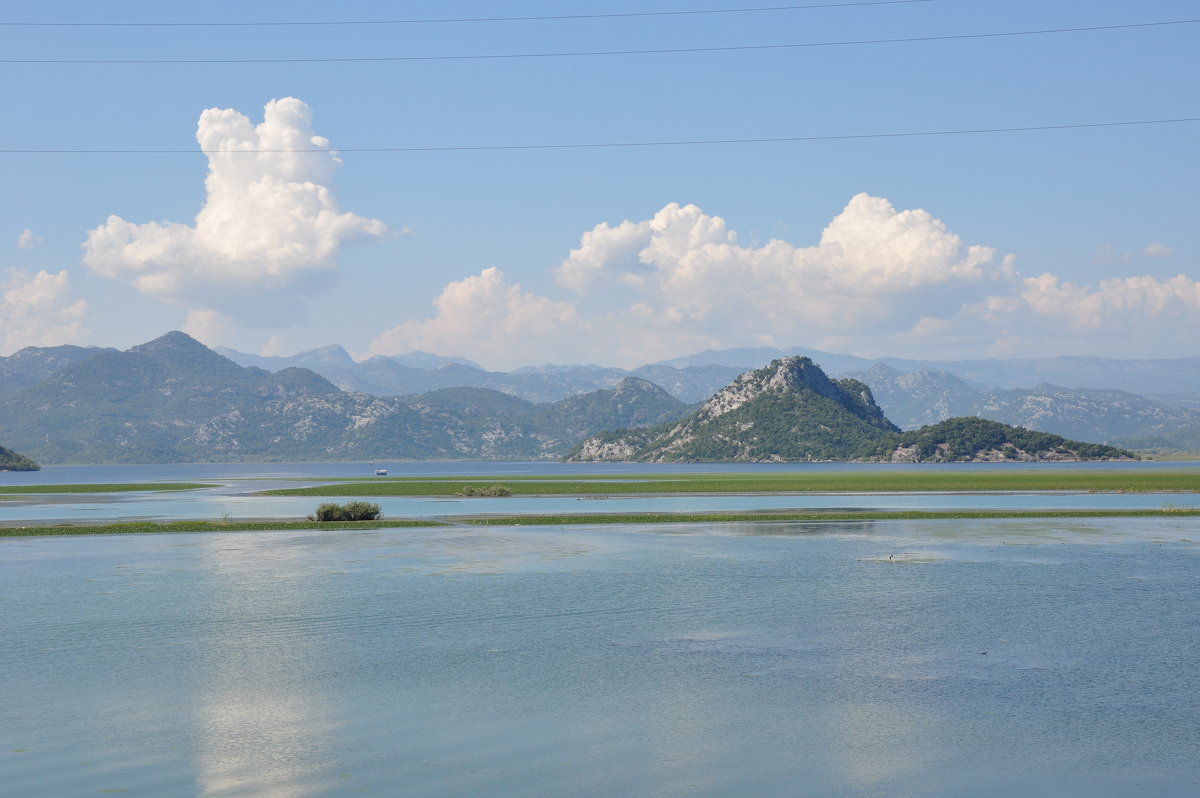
840	659
236	484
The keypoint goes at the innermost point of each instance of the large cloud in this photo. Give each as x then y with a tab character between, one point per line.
485	318
269	222
878	282
37	310
686	265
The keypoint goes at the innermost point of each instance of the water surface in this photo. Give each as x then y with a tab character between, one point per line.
702	660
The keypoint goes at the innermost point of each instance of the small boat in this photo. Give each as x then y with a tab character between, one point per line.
381	472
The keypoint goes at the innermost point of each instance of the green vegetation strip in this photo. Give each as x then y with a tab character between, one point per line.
104	488
146	527
1125	480
903	515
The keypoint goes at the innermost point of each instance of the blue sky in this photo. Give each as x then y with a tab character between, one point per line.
1078	241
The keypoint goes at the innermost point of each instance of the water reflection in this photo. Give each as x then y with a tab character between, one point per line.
262	722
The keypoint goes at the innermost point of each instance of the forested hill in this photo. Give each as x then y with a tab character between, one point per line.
980	440
11	461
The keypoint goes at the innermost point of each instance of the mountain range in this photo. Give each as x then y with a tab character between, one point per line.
1153	405
174	400
1161	415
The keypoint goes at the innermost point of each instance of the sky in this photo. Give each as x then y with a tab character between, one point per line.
427	202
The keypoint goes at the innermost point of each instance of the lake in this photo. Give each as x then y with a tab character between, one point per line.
899	658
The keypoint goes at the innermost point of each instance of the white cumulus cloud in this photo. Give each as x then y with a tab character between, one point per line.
484	317
27	239
1125	299
269	221
1157	249
687	266
208	326
37	310
878	281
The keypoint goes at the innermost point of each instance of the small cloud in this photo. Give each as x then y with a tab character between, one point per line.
36	310
1108	254
209	327
485	318
273	347
27	240
1157	249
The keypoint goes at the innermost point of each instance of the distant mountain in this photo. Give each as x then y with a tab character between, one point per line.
175	400
919	398
11	461
927	397
939	389
980	440
788	411
420	372
749	357
1142	376
31	365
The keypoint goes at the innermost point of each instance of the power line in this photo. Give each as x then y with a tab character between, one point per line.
666	51
613	144
542	18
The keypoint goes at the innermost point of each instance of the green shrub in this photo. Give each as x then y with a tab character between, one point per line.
359	510
351	511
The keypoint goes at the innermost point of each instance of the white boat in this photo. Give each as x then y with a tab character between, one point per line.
381	472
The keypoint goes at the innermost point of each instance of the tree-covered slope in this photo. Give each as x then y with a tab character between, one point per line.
977	439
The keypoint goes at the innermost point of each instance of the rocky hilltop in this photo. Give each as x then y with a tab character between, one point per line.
789	410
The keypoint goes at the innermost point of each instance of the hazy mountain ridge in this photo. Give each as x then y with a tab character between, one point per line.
928	397
175	400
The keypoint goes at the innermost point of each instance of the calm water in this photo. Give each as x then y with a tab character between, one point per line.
697	660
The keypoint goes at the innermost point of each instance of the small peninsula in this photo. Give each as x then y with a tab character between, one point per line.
11	461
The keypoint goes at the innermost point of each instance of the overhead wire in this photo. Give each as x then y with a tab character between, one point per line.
604	145
647	51
448	20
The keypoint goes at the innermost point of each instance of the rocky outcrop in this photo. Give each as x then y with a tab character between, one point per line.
788	411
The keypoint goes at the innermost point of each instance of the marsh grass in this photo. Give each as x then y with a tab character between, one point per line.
1123	480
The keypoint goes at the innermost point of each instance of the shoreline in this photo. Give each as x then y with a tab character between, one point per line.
291	524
